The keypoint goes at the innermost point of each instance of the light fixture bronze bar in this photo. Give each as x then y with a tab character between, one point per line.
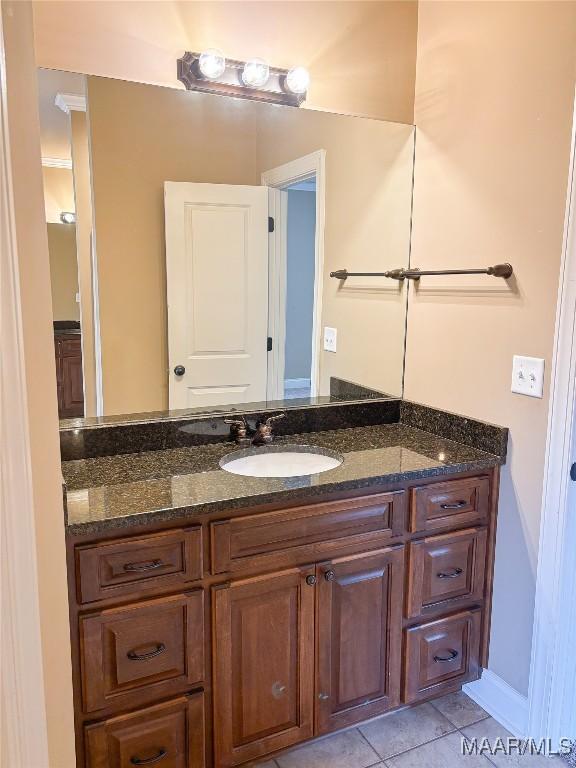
230	82
498	270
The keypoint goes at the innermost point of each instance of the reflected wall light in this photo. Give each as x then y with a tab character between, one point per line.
211	72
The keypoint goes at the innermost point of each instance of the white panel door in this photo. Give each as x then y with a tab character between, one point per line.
217	287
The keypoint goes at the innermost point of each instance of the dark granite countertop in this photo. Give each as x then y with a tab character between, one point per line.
153	486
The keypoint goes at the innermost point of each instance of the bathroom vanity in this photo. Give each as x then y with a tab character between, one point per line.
217	619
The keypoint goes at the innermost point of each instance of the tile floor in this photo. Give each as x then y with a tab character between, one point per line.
426	736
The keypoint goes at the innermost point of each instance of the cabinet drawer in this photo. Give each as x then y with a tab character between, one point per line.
446	505
169	734
445	570
136	566
313	531
440	653
146	650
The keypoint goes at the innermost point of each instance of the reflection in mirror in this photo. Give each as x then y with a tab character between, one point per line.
206	229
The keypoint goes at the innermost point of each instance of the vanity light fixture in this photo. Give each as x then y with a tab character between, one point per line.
67	217
211	72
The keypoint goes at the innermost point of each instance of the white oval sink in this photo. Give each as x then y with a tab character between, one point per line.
280	461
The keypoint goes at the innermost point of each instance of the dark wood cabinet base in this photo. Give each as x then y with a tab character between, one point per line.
224	642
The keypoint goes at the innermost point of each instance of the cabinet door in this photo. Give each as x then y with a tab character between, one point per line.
263	664
359	637
72	387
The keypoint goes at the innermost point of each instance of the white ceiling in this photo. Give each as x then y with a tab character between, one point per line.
55	124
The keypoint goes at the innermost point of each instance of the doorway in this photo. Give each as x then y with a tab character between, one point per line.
296	255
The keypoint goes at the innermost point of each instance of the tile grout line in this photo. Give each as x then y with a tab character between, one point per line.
372	747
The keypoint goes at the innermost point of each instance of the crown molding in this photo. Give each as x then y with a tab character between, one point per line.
57	162
70	102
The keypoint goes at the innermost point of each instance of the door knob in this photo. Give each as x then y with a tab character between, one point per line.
179	370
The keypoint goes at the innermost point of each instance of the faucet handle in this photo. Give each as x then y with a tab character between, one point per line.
238	428
271	419
241	422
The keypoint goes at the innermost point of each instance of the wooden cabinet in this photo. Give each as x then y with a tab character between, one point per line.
444	571
359	638
69	375
263	664
170	735
441	652
152	648
308	532
135	566
284	623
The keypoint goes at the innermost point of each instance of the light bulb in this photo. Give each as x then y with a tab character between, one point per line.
212	64
298	80
67	217
255	73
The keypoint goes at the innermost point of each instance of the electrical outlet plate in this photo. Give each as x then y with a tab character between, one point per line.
528	375
330	335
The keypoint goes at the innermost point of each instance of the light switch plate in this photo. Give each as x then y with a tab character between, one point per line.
330	335
528	375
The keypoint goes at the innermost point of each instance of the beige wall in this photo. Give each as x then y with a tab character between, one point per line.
142	136
361	55
38	347
58	193
494	96
367	228
63	271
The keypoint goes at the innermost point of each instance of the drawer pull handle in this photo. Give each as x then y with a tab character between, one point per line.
149	565
455	505
452	654
133	656
453	574
149	760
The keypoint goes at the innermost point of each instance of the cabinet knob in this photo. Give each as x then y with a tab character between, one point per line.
311	580
329	575
179	370
323	696
278	690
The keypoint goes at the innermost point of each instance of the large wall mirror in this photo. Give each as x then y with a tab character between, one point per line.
191	241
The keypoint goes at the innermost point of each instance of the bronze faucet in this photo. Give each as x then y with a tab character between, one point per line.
264	434
240	431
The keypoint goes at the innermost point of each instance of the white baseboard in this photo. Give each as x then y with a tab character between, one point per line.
501	701
296	383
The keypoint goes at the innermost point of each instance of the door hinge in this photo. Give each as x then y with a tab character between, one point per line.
269	344
270	224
